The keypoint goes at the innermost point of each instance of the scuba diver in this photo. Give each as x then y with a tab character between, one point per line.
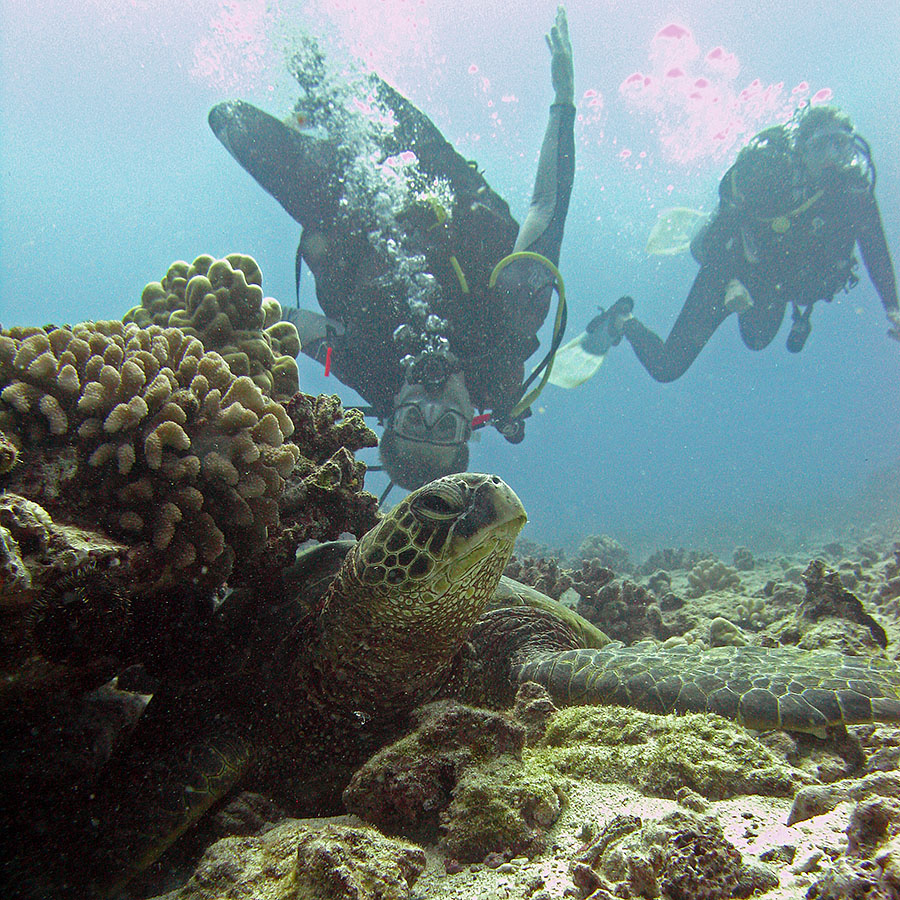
432	295
792	208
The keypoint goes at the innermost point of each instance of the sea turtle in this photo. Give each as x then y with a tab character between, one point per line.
369	630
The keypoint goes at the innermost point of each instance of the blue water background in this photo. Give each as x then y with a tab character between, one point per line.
109	173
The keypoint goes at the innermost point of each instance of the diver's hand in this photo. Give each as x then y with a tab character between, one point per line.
562	72
894	318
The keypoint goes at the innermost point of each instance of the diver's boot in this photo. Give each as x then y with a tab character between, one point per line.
800	329
737	297
606	329
619	314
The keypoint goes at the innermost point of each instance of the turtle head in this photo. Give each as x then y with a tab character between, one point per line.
412	588
441	535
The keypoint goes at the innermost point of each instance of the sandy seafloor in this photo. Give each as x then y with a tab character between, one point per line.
754	824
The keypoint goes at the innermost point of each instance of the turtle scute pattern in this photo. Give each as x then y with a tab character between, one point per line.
798	690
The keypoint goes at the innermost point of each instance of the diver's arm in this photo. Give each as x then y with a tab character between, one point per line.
541	232
875	254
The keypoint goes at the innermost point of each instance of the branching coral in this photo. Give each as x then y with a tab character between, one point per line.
606	550
712	575
545	575
220	302
622	609
324	497
143	434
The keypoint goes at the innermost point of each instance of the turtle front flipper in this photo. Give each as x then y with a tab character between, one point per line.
798	690
148	800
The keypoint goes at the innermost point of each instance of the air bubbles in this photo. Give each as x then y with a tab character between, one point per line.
435	324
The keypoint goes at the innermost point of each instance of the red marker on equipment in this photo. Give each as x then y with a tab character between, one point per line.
480	420
327	362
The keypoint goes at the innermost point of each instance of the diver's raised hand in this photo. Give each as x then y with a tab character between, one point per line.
894	318
562	72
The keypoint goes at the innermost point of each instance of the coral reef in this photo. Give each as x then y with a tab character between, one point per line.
751	611
142	434
327	478
324	496
220	302
670	558
606	551
622	609
525	547
712	575
742	559
544	574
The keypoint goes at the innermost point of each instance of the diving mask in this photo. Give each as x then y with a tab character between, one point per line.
442	416
835	147
432	422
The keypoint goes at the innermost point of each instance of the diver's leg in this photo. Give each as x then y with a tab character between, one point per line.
702	313
760	323
297	169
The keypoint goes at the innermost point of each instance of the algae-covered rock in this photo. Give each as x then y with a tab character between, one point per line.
680	857
505	805
660	754
295	862
459	777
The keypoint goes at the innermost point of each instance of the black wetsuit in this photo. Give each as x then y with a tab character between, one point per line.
796	245
492	331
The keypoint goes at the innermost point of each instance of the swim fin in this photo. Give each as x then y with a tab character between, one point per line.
580	359
674	230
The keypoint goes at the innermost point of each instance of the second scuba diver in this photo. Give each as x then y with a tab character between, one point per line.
792	209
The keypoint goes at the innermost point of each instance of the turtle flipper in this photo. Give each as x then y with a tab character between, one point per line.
798	690
148	801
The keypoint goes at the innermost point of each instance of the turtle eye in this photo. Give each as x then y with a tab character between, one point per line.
439	501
